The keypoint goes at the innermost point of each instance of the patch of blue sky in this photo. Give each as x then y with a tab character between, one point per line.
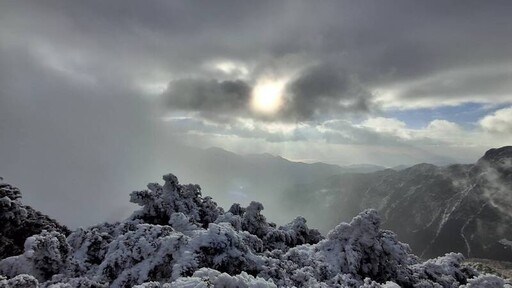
466	114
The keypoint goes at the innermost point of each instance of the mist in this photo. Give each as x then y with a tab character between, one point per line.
97	99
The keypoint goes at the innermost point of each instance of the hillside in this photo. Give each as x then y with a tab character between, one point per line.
461	208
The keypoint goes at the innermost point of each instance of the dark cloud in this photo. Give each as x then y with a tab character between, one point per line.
324	91
318	93
209	97
380	43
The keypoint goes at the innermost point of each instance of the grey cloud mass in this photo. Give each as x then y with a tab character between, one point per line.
84	85
380	43
494	84
209	97
324	90
318	92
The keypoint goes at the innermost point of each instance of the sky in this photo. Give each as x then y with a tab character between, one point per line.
93	93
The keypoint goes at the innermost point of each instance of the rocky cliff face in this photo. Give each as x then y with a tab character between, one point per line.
462	208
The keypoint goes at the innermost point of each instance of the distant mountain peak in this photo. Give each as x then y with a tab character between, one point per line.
495	154
218	150
423	167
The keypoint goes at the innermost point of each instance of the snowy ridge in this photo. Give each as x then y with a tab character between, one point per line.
180	239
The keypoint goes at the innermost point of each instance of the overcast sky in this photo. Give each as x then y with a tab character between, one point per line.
93	92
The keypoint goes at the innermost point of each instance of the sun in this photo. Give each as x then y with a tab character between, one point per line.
267	96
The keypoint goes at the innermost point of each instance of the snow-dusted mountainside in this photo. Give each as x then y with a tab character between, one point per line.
17	222
461	208
181	239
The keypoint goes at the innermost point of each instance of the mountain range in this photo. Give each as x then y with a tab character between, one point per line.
461	208
436	209
231	177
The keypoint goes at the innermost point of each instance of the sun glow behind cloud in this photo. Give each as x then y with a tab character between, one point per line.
232	68
267	96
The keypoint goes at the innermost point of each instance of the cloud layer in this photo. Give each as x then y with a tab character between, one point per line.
340	62
339	56
92	88
318	92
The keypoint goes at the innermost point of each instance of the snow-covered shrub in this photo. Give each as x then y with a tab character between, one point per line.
361	248
206	277
9	191
446	270
234	220
160	202
18	222
222	248
60	281
253	221
181	239
487	281
290	235
19	281
89	249
45	255
181	223
142	255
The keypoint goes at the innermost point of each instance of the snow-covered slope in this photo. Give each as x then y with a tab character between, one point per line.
181	239
460	208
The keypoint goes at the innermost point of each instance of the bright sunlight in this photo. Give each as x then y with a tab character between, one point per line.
267	96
